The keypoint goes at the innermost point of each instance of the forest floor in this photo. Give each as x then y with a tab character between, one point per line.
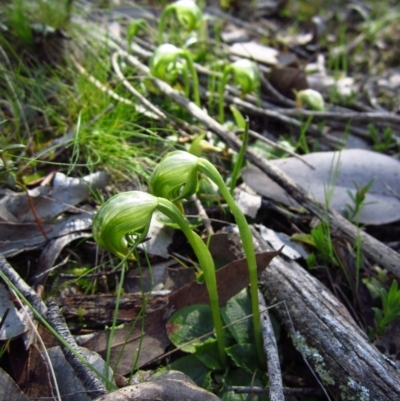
296	105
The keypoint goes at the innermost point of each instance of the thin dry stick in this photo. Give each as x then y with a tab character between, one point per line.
203	214
131	89
271	350
250	107
371	247
299	392
91	382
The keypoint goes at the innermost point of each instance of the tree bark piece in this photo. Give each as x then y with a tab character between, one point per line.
327	336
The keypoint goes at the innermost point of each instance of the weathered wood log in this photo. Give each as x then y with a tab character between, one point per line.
327	336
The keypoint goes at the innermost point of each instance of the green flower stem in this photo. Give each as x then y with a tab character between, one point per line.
206	263
187	12
247	239
163	22
221	92
195	80
127	216
245	75
175	178
240	158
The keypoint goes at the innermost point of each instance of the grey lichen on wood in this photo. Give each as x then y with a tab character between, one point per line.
314	357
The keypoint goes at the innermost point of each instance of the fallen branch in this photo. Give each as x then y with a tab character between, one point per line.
327	336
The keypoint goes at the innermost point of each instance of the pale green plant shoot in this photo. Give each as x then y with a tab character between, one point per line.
175	178
245	75
168	61
358	199
187	13
390	308
123	222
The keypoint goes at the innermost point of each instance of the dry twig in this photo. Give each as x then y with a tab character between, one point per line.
271	350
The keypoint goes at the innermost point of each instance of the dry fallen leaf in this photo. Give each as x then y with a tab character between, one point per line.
339	171
9	390
12	323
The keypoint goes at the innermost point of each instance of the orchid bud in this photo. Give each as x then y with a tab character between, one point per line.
133	28
245	75
176	177
187	13
126	218
123	218
163	63
310	98
166	63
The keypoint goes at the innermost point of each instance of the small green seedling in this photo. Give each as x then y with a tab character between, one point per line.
175	178
166	64
123	222
320	239
245	75
187	13
358	200
7	171
385	143
390	308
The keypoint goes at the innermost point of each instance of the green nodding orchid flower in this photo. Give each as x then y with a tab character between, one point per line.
310	98
187	13
125	218
245	75
164	65
175	178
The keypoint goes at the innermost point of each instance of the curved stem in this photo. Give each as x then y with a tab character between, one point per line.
221	92
196	93
240	158
207	265
247	239
186	82
162	23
